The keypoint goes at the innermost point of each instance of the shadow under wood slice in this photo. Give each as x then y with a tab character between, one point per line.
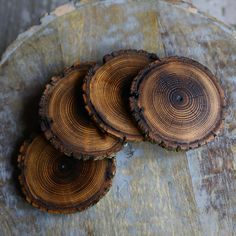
177	103
56	183
65	121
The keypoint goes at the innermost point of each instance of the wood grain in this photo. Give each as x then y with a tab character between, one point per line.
21	15
65	122
113	80
177	103
55	183
155	192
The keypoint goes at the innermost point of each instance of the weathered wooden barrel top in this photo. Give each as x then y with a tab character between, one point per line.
155	192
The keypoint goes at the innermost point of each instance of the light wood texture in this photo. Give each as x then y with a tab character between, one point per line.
20	15
155	192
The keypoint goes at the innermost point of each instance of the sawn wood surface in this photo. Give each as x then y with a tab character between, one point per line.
155	191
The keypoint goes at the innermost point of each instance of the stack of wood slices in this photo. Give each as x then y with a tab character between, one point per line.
91	110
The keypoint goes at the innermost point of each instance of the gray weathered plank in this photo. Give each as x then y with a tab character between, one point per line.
17	16
155	192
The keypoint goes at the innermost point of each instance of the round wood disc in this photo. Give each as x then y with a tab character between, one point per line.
56	183
107	90
65	121
177	103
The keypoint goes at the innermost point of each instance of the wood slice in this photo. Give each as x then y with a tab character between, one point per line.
65	121
177	103
107	88
56	183
157	192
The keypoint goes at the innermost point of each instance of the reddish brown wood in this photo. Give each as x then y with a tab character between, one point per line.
177	103
56	183
65	121
106	92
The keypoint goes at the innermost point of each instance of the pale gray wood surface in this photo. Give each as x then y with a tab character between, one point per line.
17	16
155	192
